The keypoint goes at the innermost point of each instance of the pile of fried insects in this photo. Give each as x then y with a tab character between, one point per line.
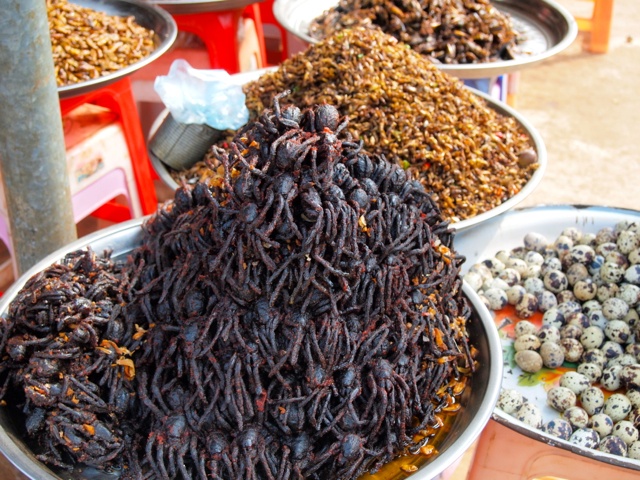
302	319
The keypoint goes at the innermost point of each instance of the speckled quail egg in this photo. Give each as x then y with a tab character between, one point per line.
565	296
618	258
606	248
525	327
562	245
571	331
510	275
561	398
592	400
533	285
633	394
535	241
617	331
529	414
591	305
518	265
597	319
592	371
610	379
613	445
552	263
592	337
546	300
515	294
601	423
585	289
606	290
558	427
554	317
526	342
527	306
627	241
617	406
632	274
605	234
611	272
555	281
624	359
626	431
594	355
612	349
629	293
533	258
577	318
574	381
614	308
494	265
630	375
633	451
552	354
572	232
481	270
634	256
509	400
588	238
576	416
497	298
585	437
594	267
474	280
496	283
633	319
549	333
575	273
569	307
583	254
572	349
528	360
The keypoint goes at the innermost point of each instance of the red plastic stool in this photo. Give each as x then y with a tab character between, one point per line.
504	454
118	97
268	18
218	30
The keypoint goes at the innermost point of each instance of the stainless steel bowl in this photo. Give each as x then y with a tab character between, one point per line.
546	29
478	400
538	144
146	15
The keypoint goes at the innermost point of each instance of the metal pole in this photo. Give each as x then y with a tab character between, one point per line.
32	152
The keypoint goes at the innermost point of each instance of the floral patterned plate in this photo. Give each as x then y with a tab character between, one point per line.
504	233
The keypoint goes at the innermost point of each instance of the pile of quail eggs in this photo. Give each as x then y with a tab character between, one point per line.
587	286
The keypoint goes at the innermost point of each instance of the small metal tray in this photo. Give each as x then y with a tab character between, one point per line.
146	15
503	109
546	29
505	233
181	7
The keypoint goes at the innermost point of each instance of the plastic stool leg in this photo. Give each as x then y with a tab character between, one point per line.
504	454
219	32
601	26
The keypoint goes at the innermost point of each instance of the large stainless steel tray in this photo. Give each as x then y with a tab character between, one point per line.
478	400
180	7
505	233
500	107
146	15
546	29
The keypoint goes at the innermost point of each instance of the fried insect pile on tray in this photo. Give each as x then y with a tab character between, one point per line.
303	318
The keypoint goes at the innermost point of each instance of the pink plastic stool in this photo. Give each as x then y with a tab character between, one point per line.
504	454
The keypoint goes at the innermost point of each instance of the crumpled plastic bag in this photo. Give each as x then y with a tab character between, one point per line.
202	96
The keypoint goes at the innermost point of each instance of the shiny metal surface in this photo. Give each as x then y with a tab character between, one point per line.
478	400
500	107
508	231
181	7
546	28
145	14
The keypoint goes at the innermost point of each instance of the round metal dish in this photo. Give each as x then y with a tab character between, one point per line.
146	15
500	107
200	6
546	29
478	400
505	233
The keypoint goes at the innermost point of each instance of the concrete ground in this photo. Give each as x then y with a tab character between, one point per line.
587	109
